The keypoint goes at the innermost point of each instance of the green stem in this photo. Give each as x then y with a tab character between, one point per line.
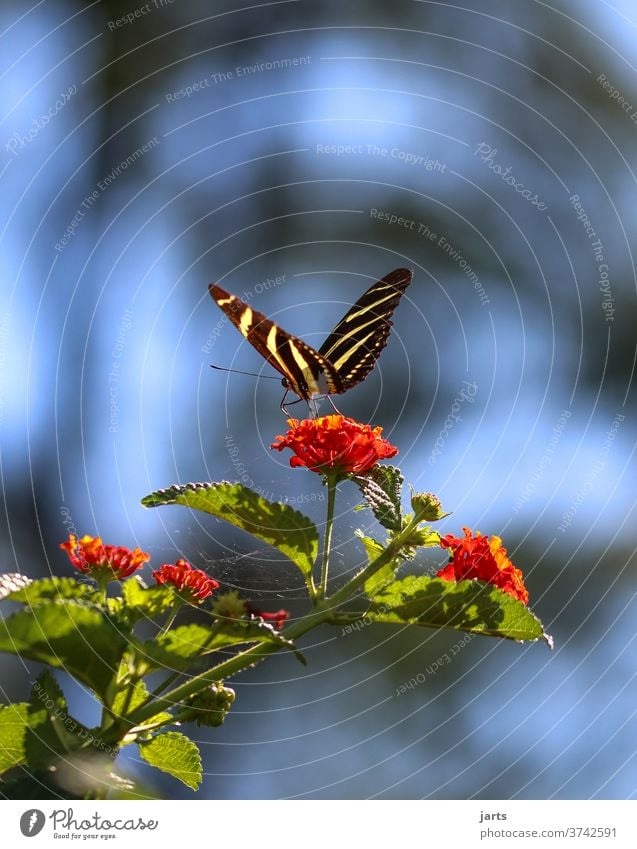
169	623
153	726
230	667
102	588
386	556
321	613
327	540
165	683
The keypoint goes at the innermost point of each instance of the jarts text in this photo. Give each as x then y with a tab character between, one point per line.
487	816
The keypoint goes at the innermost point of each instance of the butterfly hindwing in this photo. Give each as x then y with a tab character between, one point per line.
355	344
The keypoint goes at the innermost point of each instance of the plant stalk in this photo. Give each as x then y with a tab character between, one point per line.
327	540
321	613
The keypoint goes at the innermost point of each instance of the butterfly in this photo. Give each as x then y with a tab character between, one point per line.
345	358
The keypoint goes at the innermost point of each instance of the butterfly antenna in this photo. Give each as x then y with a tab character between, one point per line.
249	373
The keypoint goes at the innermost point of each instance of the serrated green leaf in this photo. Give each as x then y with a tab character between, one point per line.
280	525
175	754
146	602
385	574
47	691
50	588
66	634
179	647
472	606
51	733
13	724
381	488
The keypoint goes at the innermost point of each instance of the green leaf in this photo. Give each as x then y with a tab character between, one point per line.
179	647
51	733
381	487
146	727
129	698
47	588
385	574
472	606
292	533
417	538
145	602
175	754
69	635
11	582
13	724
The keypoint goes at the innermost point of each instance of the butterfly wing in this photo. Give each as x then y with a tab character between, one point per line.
354	345
305	370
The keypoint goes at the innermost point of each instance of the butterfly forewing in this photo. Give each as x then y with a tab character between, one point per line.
347	355
355	344
299	363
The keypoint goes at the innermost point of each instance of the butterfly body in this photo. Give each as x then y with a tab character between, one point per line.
345	358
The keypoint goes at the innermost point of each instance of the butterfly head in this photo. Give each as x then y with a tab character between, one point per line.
301	388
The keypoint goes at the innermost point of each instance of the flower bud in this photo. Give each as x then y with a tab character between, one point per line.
427	506
210	706
229	606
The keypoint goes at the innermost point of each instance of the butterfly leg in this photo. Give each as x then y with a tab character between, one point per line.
312	403
284	406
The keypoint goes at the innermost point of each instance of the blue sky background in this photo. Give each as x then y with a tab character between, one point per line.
106	341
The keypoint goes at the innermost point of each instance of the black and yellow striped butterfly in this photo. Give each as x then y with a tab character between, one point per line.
345	358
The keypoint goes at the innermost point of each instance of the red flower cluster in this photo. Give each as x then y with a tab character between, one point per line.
277	620
483	558
334	444
91	556
192	584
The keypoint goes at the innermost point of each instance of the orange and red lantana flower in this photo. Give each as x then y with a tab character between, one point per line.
192	584
483	558
91	556
334	444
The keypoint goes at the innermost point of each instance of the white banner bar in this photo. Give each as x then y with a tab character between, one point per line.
320	824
